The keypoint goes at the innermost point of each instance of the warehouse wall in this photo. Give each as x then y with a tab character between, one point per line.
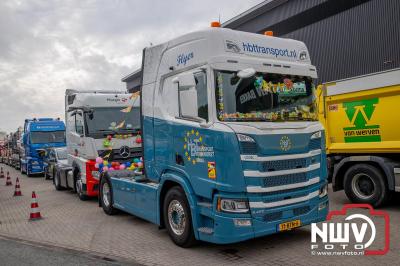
345	38
360	40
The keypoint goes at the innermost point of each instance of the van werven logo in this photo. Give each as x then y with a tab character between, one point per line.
360	114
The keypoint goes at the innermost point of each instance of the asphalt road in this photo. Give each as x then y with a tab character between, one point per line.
14	252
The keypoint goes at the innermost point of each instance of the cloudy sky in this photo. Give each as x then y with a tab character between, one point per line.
49	46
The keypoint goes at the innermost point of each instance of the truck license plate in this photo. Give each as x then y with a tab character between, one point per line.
289	225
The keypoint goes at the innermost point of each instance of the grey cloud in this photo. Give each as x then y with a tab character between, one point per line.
49	46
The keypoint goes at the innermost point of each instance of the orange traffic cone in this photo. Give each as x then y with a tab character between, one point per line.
8	180
17	191
35	213
1	173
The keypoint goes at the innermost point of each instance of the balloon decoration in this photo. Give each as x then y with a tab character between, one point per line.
104	165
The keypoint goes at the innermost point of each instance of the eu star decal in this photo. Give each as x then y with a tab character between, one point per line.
195	148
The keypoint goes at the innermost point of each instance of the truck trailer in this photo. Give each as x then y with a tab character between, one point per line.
363	135
232	146
39	134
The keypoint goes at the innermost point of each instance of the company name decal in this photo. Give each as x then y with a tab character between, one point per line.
117	100
360	114
255	48
195	148
182	59
352	233
47	127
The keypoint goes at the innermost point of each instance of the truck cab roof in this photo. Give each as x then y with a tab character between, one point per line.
89	99
40	124
225	46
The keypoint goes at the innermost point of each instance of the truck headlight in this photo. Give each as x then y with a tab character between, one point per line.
233	205
323	191
316	135
244	138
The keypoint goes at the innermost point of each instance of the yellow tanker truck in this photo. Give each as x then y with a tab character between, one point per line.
361	116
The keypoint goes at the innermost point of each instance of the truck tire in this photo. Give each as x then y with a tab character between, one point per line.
106	197
78	186
57	182
27	172
46	175
177	218
364	183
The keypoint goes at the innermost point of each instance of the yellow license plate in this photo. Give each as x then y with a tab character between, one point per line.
289	225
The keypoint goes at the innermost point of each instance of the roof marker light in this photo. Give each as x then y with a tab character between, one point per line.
269	33
215	24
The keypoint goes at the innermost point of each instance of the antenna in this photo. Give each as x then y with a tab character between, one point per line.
219	18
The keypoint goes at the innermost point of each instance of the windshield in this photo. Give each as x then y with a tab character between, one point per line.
264	97
61	154
112	119
47	136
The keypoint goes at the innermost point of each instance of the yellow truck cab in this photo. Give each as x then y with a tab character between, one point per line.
362	130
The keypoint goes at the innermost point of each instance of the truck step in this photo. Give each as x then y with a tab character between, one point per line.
206	230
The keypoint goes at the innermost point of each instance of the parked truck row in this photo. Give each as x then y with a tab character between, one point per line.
228	139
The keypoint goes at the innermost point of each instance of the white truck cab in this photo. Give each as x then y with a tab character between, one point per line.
98	124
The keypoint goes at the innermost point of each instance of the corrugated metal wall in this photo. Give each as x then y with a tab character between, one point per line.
284	10
360	40
346	38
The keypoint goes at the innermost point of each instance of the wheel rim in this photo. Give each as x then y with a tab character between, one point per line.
176	217
363	186
106	194
79	186
56	181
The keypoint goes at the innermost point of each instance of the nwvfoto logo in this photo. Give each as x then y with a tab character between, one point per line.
333	238
182	59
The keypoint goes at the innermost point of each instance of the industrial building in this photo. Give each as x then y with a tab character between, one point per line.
345	38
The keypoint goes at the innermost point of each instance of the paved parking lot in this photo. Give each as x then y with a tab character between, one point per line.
71	223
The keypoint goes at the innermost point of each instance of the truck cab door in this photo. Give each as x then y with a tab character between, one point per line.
75	133
185	111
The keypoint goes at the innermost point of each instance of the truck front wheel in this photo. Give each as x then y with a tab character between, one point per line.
364	183
79	187
106	197
57	181
177	218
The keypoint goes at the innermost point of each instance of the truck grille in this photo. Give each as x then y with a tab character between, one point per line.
116	156
273	216
284	180
248	147
314	144
301	210
284	165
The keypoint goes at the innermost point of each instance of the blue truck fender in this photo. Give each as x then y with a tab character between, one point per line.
190	196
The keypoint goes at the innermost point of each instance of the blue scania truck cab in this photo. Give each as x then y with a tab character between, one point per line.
39	134
232	147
